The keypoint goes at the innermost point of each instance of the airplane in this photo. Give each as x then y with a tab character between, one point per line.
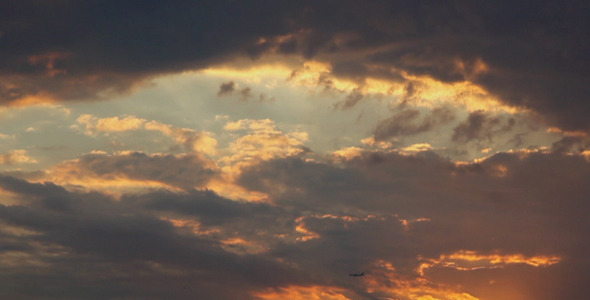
356	274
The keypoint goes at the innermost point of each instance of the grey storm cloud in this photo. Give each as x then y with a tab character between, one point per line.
226	88
574	144
481	127
404	122
50	47
123	241
325	219
536	52
527	204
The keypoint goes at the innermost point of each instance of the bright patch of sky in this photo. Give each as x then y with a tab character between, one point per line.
51	133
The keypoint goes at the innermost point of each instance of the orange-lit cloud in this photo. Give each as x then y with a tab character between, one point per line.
306	234
253	74
380	144
407	223
193	141
241	246
385	283
417	148
294	292
41	98
567	133
225	186
126	172
347	153
113	124
18	156
256	141
426	91
471	260
185	137
114	185
262	141
193	225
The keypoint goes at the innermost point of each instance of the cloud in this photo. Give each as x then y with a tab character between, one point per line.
470	260
481	127
403	123
521	53
416	223
262	216
184	137
304	292
99	58
182	171
262	141
226	88
113	124
469	207
19	156
107	234
574	144
245	94
352	99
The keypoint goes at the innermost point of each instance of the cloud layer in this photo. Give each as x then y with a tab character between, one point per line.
408	221
528	55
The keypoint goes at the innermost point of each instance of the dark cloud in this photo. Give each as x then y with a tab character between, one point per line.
481	127
213	210
513	203
505	181
575	144
226	88
535	53
96	237
245	94
351	99
531	51
404	122
325	220
76	50
532	55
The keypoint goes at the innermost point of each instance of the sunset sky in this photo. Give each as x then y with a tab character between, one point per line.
267	149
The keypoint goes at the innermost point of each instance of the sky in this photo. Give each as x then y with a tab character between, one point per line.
265	150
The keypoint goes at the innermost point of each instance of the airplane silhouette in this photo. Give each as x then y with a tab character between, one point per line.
356	274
